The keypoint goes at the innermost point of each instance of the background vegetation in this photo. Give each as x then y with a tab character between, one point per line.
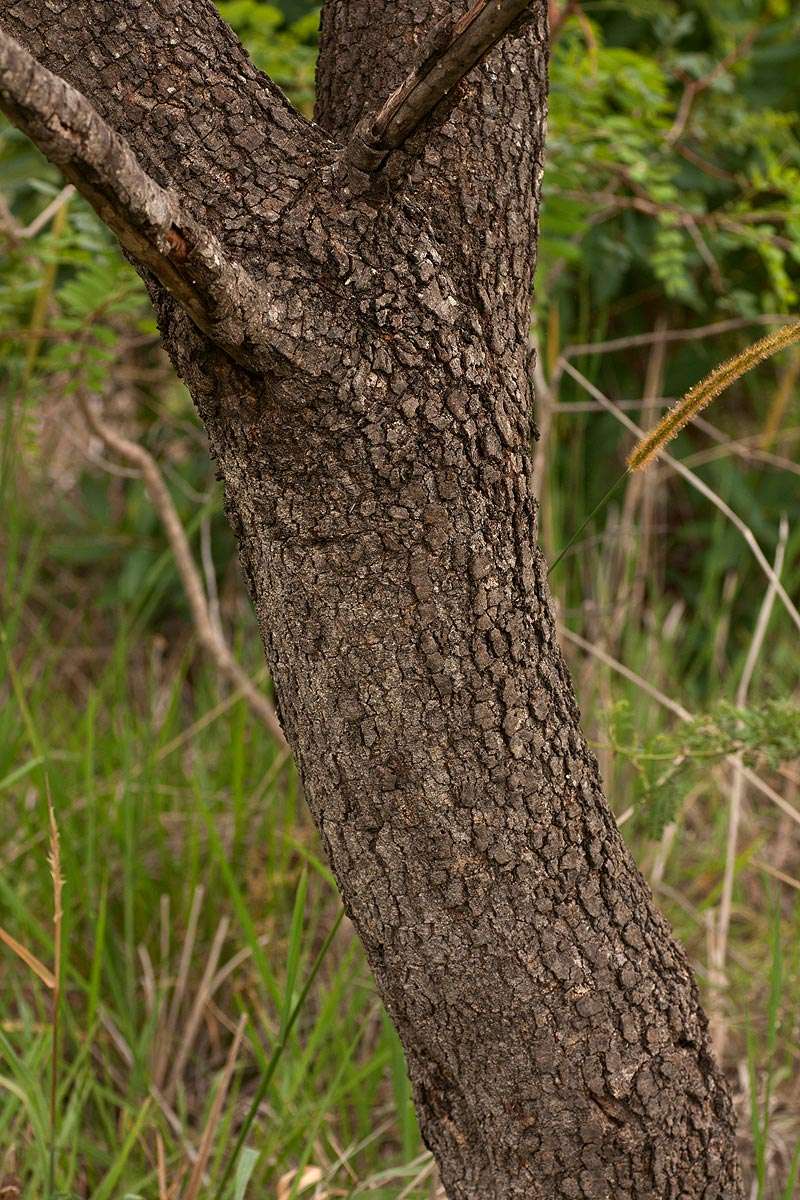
194	891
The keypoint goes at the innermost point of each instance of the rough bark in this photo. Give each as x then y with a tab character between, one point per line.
378	479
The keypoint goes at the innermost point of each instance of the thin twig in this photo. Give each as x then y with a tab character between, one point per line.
698	333
613	203
208	635
209	571
558	16
741	447
679	711
14	231
696	86
722	924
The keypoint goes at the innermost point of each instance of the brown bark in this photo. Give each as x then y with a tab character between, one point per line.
378	478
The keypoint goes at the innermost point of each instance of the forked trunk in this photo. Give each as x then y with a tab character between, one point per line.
378	480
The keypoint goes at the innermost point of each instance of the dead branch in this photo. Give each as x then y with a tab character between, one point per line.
150	221
210	638
693	89
698	333
14	231
450	52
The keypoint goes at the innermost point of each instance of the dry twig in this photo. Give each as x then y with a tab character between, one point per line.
719	939
14	231
696	86
208	635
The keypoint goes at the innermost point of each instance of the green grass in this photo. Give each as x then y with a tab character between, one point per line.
190	861
189	858
141	832
161	808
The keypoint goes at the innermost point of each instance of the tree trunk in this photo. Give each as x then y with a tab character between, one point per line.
378	478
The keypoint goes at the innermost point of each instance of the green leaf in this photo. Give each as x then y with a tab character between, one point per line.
244	1170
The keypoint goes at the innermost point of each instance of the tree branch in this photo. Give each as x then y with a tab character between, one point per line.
450	52
14	232
222	299
210	637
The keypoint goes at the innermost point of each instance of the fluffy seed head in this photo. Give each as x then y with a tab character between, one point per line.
707	390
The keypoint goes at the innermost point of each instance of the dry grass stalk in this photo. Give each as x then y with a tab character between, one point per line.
36	965
202	996
54	859
176	1126
679	711
166	1035
148	979
783	394
207	1140
427	1171
630	558
701	395
789	880
161	1168
718	934
700	485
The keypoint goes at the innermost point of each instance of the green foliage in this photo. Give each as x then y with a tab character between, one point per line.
285	50
701	202
668	763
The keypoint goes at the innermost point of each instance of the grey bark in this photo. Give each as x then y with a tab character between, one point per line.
378	478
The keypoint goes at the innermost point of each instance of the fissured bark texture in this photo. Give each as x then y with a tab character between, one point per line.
379	484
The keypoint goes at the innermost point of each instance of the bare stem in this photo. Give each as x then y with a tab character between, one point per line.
209	636
54	859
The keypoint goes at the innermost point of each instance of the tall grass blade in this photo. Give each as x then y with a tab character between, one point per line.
107	1188
275	1058
54	859
789	1192
295	945
244	1171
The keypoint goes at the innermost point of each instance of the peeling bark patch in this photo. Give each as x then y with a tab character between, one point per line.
178	245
